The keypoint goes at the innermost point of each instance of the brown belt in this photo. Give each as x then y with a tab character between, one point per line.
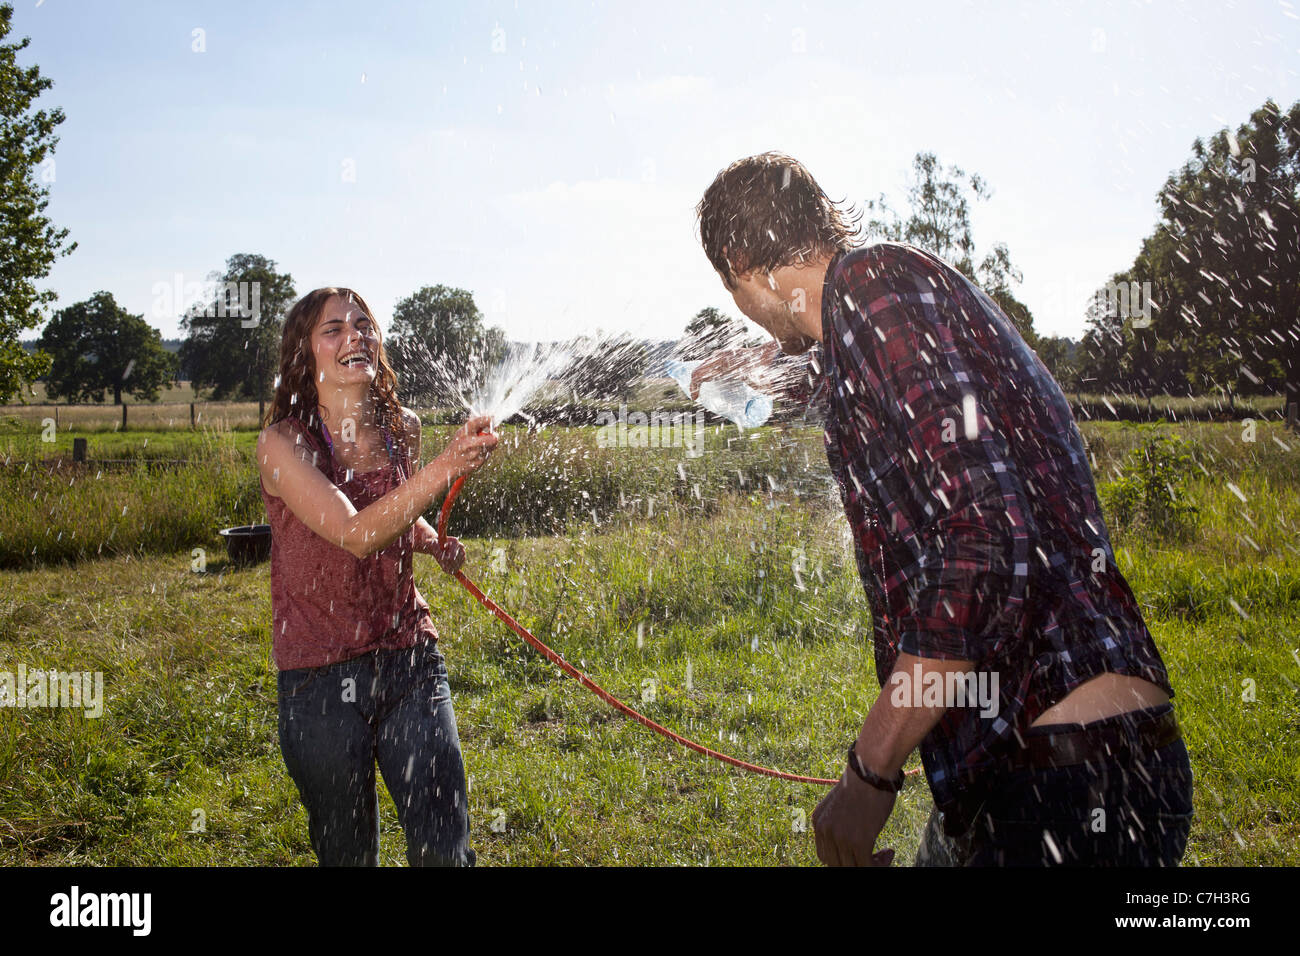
1098	745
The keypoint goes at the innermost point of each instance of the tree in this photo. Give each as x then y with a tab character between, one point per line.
233	342
1059	354
1101	353
97	345
1218	280
1224	261
939	222
712	329
29	243
439	346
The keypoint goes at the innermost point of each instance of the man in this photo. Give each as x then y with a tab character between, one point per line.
1008	645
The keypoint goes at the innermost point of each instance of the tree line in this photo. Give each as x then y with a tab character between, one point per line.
438	344
231	350
1211	302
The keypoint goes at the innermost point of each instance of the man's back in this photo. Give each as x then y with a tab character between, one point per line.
974	511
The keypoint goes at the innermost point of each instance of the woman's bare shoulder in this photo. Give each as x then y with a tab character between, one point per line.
278	434
277	444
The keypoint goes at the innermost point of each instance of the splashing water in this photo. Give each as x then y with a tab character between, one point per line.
516	379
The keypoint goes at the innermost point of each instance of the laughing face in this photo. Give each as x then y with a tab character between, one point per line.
344	345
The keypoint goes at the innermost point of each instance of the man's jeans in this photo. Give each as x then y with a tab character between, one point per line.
1133	809
393	706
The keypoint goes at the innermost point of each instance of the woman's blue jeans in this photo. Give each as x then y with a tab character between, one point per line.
388	706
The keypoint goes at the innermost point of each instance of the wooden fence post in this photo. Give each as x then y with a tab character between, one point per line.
191	414
78	449
124	416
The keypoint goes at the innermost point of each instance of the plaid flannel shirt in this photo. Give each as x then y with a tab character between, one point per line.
975	517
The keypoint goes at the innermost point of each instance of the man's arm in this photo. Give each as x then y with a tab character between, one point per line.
848	820
765	368
894	727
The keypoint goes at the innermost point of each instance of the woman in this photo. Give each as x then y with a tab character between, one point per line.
360	678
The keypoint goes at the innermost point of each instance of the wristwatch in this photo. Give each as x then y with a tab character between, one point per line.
877	781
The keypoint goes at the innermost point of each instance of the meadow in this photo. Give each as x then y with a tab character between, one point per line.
718	593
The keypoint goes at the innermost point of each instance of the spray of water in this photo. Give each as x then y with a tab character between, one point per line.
515	380
595	368
560	374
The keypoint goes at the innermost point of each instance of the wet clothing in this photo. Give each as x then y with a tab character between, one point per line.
977	528
390	706
1132	807
361	680
328	605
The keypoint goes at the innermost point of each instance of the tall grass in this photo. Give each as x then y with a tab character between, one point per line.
536	483
698	619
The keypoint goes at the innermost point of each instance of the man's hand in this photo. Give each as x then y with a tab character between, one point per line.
850	817
848	820
746	364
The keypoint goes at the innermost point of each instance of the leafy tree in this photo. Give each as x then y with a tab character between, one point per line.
97	345
1224	260
995	276
29	243
707	320
1060	355
439	346
1101	353
1223	269
233	353
939	222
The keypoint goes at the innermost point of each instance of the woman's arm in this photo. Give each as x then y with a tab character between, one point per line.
287	471
426	537
448	552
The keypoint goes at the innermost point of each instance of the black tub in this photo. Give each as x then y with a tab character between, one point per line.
248	544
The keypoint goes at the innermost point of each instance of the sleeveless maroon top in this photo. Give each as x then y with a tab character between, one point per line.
326	604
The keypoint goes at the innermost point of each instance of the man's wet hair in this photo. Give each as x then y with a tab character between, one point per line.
766	211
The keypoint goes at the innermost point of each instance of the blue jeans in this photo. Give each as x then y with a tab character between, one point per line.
1133	809
390	706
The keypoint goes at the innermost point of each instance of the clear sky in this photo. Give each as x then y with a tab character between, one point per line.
548	156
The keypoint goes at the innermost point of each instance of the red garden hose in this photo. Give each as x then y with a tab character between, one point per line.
590	684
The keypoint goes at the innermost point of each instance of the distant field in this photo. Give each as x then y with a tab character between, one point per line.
648	394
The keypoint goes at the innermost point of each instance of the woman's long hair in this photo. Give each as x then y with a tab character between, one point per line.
295	388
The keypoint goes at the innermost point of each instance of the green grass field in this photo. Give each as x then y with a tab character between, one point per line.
637	565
